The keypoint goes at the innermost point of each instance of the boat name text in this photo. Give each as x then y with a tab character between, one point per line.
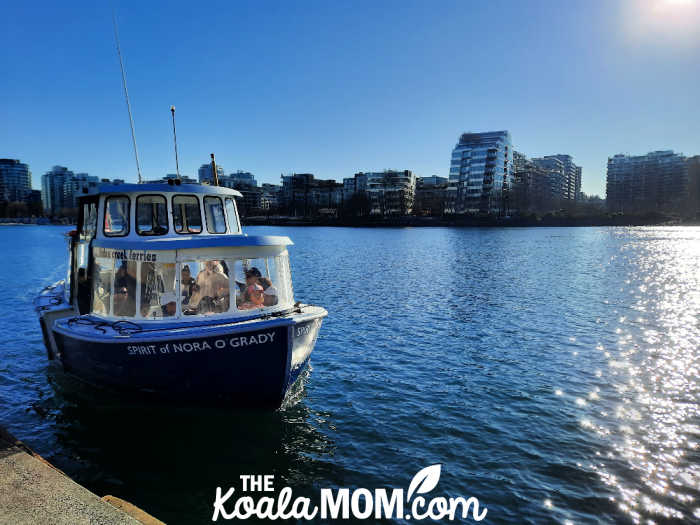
200	346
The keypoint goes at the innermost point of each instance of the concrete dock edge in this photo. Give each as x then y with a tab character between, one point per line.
32	491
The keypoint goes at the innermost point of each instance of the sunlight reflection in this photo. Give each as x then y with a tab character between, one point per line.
654	372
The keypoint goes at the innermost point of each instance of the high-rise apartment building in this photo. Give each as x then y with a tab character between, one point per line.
657	181
533	188
52	194
76	186
572	177
15	180
556	176
206	173
481	172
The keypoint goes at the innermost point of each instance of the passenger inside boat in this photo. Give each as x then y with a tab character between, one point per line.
150	290
253	276
125	290
254	298
187	284
212	291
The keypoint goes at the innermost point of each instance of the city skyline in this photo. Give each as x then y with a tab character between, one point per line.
334	90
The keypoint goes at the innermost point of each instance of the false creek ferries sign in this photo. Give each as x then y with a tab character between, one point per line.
135	255
204	345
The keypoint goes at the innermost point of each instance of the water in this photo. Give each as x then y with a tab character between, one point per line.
552	372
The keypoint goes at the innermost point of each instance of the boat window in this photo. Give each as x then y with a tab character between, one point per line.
102	285
259	283
151	215
186	215
279	275
89	218
214	211
117	216
124	300
158	297
231	216
205	287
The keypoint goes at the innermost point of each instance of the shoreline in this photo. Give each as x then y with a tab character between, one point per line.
446	222
477	222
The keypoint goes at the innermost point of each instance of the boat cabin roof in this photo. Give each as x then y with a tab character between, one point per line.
164	188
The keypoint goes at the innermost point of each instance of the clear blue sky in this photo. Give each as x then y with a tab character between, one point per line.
333	88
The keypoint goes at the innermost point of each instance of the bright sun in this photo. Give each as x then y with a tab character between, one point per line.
662	22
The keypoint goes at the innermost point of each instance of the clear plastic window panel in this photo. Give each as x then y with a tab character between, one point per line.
208	292
214	212
158	290
151	215
231	215
117	216
260	283
186	214
124	291
102	285
89	220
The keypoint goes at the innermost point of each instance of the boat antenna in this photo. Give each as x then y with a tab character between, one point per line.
213	170
126	94
177	165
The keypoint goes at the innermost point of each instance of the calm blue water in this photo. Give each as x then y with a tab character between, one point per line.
554	373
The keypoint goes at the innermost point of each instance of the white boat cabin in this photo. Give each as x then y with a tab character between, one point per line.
156	252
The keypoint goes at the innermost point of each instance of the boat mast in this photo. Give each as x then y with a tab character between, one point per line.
213	170
126	94
177	165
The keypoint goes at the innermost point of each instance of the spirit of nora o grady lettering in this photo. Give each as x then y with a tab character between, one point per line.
336	504
199	346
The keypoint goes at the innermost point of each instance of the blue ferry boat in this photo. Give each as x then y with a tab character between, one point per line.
166	297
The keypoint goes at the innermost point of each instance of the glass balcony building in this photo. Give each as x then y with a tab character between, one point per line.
481	173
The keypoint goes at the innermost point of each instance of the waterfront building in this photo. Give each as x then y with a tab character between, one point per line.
520	161
431	196
269	200
571	177
657	181
295	195
693	202
241	179
391	192
481	172
303	195
205	173
353	185
556	177
328	195
15	181
52	194
533	186
75	186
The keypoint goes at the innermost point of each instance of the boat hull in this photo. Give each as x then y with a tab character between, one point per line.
252	363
